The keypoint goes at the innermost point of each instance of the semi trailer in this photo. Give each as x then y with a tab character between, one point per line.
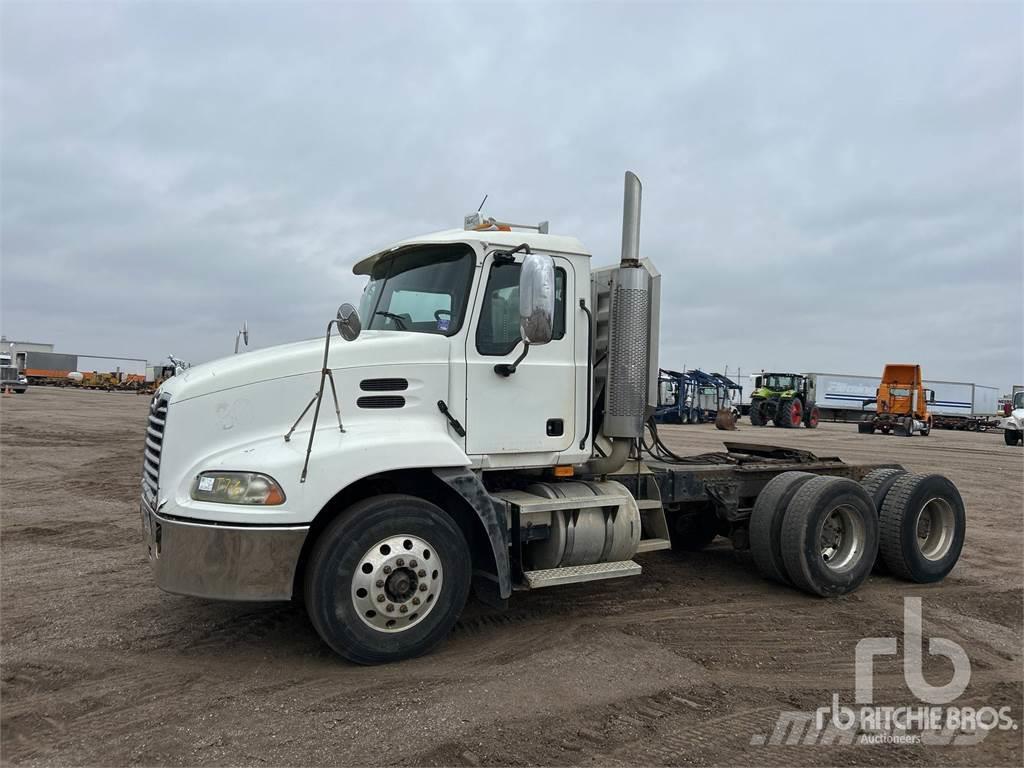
483	422
957	404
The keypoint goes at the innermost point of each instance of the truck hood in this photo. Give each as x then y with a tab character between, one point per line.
372	348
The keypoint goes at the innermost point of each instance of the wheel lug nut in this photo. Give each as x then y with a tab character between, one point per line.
403	609
386	569
421	573
412	563
423	587
399	562
415	601
380	598
390	608
380	583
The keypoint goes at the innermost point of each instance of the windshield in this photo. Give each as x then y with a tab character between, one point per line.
775	381
421	289
1018	400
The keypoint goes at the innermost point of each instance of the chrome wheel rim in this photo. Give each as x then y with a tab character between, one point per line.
841	538
934	528
396	583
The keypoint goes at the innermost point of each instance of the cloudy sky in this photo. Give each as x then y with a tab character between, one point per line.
827	186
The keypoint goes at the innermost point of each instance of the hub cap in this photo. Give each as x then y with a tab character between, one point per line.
841	539
935	525
794	413
396	583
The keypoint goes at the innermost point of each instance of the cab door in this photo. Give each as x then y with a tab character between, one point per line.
532	410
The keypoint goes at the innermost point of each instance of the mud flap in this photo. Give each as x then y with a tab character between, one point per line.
491	512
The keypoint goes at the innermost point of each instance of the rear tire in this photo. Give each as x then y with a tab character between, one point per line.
877	484
766	523
829	536
812	417
923	523
351	551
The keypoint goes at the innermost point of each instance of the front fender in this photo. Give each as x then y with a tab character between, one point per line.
337	460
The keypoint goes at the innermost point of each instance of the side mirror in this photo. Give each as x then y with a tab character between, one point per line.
757	383
349	325
931	395
537	299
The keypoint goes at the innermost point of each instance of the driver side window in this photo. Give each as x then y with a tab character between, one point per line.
497	333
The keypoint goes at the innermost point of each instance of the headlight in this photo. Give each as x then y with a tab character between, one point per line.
237	488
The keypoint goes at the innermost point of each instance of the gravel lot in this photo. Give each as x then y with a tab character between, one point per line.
683	665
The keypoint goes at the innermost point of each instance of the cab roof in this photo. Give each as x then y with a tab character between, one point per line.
482	239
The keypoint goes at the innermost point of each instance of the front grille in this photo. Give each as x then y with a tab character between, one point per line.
154	446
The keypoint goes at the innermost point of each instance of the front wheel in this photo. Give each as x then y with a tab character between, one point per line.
789	414
757	415
1011	436
387	579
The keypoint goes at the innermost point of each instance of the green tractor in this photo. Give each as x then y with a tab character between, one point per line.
786	399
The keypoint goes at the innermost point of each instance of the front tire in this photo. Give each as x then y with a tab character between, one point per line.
1011	436
757	416
387	579
790	413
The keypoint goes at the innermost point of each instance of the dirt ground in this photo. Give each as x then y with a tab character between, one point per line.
689	664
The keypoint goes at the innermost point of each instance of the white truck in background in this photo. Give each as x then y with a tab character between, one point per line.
10	377
1013	424
487	424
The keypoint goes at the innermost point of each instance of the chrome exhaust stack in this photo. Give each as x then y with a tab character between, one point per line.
629	328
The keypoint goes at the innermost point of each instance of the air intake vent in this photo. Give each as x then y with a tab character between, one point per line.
381	401
384	385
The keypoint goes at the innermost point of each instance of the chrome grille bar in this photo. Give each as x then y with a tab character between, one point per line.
154	447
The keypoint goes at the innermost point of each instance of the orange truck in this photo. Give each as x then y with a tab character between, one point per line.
901	403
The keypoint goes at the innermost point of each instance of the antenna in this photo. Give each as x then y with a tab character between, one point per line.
480	207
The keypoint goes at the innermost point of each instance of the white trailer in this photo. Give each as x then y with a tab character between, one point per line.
840	397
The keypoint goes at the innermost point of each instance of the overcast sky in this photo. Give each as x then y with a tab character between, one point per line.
827	187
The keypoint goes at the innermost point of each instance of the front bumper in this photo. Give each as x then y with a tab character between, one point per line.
222	562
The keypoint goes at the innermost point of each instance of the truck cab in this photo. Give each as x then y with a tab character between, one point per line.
901	403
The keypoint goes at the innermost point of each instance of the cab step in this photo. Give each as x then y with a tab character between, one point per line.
574	574
653	545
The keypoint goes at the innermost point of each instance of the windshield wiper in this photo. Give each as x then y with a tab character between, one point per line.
392	316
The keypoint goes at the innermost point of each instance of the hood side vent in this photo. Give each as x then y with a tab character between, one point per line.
384	385
381	401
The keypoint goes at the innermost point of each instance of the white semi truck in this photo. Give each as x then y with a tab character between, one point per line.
1013	424
484	422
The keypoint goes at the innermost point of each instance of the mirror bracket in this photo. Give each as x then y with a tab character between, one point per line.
507	369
